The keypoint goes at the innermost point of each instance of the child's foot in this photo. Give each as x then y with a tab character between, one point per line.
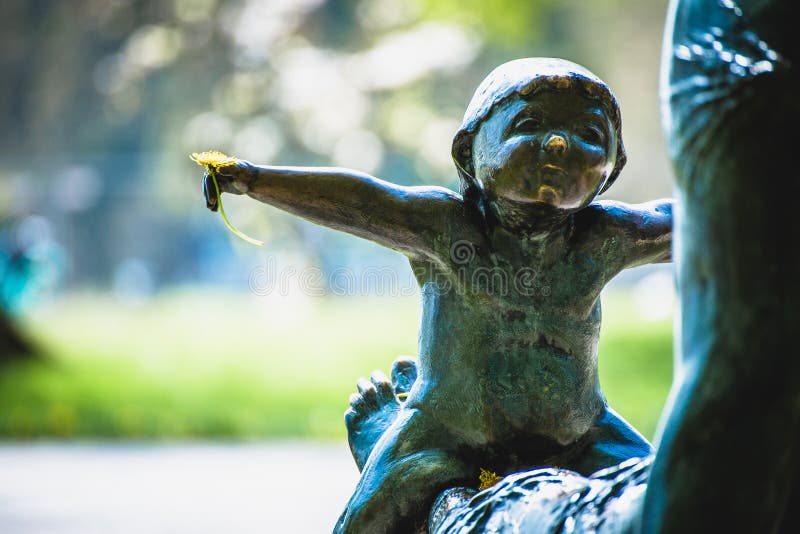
374	407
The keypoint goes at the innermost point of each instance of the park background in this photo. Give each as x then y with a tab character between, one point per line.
132	320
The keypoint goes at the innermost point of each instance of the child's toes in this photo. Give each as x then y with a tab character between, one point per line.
404	374
351	418
383	387
369	392
357	409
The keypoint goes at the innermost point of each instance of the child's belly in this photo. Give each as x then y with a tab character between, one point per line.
517	391
494	370
539	390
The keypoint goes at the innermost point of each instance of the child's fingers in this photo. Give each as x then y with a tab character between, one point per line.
228	170
210	192
404	374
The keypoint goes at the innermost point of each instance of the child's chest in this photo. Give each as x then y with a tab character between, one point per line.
567	284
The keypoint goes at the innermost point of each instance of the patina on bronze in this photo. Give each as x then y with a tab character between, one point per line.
510	271
727	453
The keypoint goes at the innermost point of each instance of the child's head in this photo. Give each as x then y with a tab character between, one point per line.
540	130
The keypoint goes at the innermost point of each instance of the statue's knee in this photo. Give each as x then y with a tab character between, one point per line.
350	522
431	465
371	513
396	492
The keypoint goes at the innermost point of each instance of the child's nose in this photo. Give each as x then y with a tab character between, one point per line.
555	144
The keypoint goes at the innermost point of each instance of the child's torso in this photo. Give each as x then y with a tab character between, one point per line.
510	351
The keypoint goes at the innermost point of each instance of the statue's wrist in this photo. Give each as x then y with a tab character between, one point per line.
253	176
246	177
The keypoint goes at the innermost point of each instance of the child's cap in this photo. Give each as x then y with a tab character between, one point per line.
526	77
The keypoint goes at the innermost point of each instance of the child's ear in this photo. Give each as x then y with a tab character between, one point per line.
622	158
462	152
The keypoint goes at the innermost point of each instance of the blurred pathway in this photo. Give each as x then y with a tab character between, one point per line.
292	487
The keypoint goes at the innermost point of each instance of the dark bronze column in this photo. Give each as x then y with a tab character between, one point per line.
727	451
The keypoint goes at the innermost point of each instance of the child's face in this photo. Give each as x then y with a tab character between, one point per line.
557	148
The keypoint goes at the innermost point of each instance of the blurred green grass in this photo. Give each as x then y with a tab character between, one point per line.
199	364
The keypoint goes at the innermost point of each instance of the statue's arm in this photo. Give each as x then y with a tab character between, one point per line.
636	234
406	219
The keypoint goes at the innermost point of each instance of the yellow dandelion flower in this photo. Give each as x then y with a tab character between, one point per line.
213	158
213	161
488	479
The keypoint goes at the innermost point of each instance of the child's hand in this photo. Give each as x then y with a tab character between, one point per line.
234	179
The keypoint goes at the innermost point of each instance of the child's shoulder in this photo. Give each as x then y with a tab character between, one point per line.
605	215
605	212
616	211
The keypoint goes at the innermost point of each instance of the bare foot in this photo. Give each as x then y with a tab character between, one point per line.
374	407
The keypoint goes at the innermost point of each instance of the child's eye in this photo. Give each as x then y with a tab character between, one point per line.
527	124
593	134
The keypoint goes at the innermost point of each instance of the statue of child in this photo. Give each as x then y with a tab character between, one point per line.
510	271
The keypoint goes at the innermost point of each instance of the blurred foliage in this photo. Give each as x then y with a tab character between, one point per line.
105	104
105	99
506	22
182	368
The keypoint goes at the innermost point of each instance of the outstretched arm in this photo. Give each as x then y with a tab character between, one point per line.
638	234
407	219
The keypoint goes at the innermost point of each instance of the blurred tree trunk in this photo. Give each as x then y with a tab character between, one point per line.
13	345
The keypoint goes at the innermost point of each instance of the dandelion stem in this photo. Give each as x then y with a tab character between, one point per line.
230	226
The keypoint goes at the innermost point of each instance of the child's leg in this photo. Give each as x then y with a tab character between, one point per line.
610	441
410	466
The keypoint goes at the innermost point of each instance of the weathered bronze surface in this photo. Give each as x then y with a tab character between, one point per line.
511	271
728	448
548	500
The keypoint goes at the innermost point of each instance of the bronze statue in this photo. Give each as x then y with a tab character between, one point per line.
510	271
726	457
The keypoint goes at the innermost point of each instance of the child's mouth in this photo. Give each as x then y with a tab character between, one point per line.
550	168
549	181
551	175
547	194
